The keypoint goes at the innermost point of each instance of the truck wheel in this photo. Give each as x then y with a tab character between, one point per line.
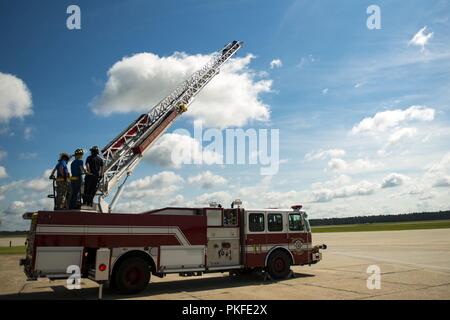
132	276
279	265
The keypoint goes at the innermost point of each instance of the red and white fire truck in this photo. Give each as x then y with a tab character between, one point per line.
126	249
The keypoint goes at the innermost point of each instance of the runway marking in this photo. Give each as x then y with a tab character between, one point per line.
426	266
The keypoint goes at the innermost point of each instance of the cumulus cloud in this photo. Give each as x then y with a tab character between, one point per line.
393	180
439	172
19	207
385	120
356	166
41	183
363	188
3	173
161	184
324	154
15	207
15	98
37	184
173	149
139	82
207	180
276	63
421	38
222	197
401	134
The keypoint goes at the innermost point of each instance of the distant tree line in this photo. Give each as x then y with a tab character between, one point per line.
417	216
13	233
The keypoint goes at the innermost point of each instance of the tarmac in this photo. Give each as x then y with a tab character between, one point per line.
413	264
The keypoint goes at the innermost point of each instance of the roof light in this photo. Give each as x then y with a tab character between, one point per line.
297	207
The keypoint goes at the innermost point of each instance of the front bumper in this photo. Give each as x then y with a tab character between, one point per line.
316	255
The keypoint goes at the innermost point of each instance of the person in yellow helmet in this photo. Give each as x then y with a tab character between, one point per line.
76	180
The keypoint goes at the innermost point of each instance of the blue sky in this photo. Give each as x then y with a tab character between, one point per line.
335	72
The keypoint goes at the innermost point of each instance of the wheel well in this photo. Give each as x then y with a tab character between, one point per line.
277	249
134	254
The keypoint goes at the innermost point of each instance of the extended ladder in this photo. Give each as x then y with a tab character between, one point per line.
125	151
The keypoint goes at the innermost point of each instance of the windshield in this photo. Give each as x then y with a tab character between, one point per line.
308	228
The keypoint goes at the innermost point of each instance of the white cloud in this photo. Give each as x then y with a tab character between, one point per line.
15	98
276	63
356	166
442	166
324	154
28	133
391	118
401	134
19	207
232	98
363	188
39	184
173	149
16	207
162	184
222	197
158	181
421	38
3	173
438	173
207	180
393	180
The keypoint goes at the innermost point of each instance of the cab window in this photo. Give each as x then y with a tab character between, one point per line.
295	222
256	222
275	222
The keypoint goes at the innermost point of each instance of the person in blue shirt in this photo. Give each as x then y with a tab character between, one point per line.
94	174
62	182
76	180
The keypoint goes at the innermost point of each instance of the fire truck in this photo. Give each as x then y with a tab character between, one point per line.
124	249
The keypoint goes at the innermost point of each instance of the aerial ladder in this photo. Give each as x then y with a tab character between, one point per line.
124	152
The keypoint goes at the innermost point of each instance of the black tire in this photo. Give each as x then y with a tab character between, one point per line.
279	265
132	276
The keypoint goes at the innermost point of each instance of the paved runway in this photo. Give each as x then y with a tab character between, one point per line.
414	265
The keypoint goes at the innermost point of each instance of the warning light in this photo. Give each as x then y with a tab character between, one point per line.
297	207
102	267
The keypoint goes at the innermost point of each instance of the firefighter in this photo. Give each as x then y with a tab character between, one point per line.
62	182
94	173
76	180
